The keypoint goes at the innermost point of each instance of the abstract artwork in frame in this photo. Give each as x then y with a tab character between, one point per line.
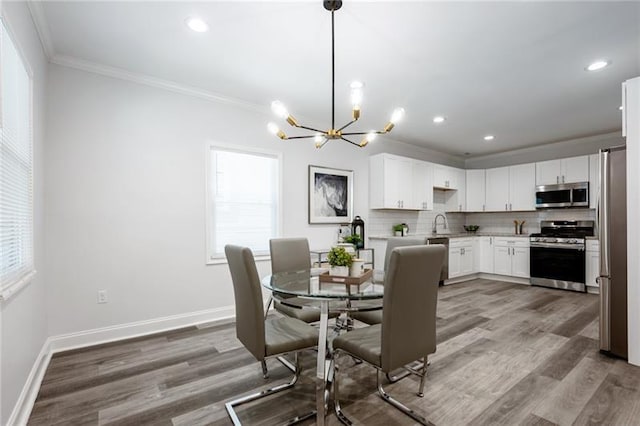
330	195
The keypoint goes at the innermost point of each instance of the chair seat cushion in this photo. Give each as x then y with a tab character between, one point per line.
288	335
368	317
364	343
306	315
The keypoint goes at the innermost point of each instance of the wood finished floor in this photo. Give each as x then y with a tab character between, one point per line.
507	354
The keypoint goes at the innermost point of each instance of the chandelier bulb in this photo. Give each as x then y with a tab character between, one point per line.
322	141
368	138
274	129
397	115
279	109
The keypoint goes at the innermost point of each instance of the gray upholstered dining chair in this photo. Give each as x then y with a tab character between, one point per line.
408	329
292	254
375	317
263	338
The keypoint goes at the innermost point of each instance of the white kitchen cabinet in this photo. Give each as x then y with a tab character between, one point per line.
592	263
445	177
422	185
511	256
485	255
565	170
455	200
497	189
475	190
390	182
522	187
510	188
461	255
594	180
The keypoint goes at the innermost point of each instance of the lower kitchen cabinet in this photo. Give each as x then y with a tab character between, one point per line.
460	257
592	263
511	257
485	255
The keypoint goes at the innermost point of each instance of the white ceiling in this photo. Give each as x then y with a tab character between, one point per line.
512	69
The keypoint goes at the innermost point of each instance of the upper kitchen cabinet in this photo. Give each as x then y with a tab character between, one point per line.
422	185
455	200
475	190
565	170
399	183
510	188
445	177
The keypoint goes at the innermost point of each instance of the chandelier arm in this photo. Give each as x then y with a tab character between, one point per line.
351	142
301	137
347	125
312	129
377	132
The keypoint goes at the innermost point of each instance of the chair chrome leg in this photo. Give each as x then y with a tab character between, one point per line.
336	397
265	372
252	397
400	406
424	375
266	308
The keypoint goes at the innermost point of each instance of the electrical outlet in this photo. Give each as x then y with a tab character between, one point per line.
102	296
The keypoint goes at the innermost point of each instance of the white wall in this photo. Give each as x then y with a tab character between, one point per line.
23	317
125	183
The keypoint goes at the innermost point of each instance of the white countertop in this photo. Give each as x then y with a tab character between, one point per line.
454	235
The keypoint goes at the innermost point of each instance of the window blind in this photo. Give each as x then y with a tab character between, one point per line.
243	200
16	169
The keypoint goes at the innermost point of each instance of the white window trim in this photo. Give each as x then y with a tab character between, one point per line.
221	259
10	289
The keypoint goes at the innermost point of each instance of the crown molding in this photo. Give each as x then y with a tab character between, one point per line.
119	73
42	27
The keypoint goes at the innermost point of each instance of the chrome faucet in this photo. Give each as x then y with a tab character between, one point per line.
435	222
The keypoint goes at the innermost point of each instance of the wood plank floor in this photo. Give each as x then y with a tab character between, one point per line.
507	354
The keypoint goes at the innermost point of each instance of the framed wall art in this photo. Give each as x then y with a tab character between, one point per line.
330	195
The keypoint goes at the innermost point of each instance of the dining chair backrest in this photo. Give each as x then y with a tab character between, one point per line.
409	305
289	254
248	299
394	242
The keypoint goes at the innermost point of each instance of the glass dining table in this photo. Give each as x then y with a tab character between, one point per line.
307	287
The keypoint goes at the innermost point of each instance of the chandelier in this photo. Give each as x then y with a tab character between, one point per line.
321	137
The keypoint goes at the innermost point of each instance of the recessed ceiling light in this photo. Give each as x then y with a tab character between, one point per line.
598	65
438	119
197	25
489	138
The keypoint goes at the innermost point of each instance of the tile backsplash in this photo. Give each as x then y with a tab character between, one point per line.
421	222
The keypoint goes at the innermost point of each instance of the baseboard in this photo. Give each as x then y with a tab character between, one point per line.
494	277
98	336
24	405
593	290
26	399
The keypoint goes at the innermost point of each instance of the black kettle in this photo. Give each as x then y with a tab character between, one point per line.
357	228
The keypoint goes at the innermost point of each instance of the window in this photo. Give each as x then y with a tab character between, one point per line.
243	191
16	170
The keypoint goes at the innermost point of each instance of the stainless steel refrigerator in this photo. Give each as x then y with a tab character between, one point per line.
612	225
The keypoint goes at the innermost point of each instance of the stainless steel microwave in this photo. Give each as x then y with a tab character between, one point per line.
562	195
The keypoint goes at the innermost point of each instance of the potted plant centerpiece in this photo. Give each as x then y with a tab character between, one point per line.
340	261
353	239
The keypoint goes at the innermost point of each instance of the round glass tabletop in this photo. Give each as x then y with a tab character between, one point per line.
307	284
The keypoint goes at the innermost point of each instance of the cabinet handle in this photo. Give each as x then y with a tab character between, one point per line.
557	179
460	207
562	178
483	207
510	207
505	206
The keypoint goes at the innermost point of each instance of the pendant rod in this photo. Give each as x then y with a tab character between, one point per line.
333	76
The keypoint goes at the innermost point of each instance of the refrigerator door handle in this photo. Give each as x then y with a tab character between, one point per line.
603	213
605	314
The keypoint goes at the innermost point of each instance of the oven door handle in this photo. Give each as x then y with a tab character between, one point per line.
578	247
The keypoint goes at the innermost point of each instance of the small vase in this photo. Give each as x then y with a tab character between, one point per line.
339	271
357	268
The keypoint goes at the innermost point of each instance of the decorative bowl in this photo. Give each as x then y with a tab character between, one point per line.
471	228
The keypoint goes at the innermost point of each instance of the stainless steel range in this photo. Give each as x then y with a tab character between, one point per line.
557	254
